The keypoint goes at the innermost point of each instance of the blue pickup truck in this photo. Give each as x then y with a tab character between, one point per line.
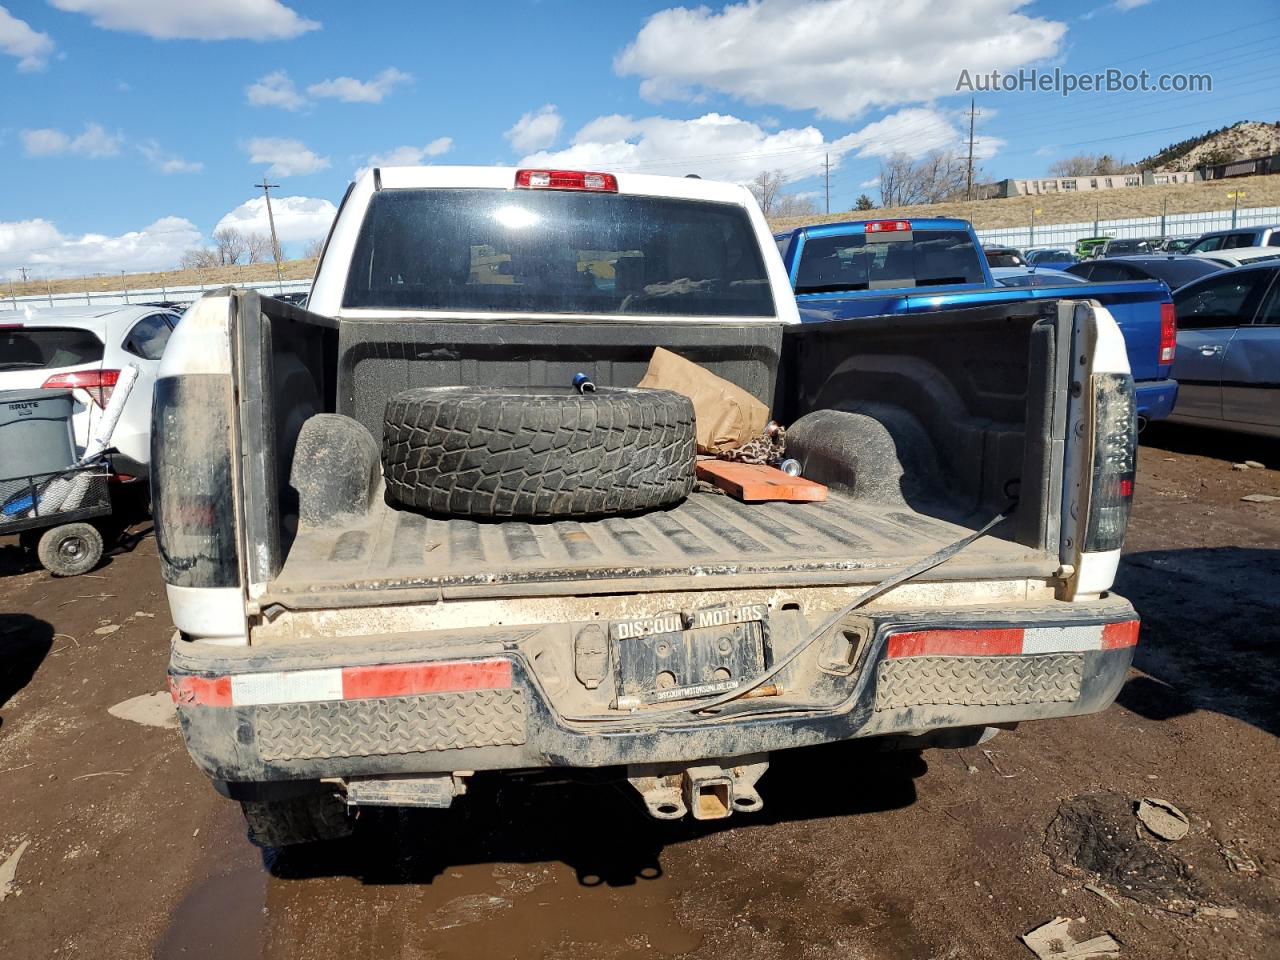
879	267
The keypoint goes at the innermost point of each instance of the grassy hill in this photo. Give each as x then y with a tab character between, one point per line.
240	273
1075	208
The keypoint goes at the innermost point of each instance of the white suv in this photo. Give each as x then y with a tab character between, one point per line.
84	349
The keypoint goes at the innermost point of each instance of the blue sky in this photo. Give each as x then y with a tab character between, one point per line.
130	129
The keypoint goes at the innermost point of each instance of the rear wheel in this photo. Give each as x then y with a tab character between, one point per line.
70	549
293	820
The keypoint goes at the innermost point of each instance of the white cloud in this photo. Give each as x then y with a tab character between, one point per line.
536	130
275	90
94	141
18	39
873	182
351	90
407	156
167	162
838	57
43	249
722	147
1124	6
913	131
194	19
287	158
713	145
44	143
298	219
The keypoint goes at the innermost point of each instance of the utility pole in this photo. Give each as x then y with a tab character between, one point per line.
826	164
24	269
968	182
275	244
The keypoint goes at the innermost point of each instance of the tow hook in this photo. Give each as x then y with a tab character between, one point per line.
710	791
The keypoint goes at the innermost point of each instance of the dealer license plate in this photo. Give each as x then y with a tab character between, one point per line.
675	656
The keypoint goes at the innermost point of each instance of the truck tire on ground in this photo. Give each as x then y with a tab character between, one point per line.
293	820
70	549
537	451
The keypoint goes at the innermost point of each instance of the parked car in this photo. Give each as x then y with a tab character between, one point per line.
1175	244
1055	258
868	268
1175	271
1004	257
1228	361
1089	246
1032	277
1125	247
84	349
339	648
1240	256
1268	236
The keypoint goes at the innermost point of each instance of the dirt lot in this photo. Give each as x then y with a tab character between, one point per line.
126	851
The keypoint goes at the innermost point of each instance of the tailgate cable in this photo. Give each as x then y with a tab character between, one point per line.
881	588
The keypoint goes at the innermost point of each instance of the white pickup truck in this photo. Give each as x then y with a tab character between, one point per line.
366	618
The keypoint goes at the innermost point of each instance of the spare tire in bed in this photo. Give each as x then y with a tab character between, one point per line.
537	451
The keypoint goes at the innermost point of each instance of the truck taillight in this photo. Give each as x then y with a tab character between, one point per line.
1168	333
567	180
1115	442
192	482
98	384
888	226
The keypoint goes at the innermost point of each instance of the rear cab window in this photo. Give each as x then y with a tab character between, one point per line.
923	258
34	348
1206	245
498	251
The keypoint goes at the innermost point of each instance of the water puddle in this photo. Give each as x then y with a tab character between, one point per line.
436	887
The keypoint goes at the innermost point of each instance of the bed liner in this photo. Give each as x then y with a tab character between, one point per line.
721	541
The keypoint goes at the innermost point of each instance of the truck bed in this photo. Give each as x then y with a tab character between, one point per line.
722	541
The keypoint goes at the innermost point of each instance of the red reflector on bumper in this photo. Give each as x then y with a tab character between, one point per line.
1118	635
342	683
955	643
398	680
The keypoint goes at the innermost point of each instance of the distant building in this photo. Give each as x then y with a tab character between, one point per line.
1098	181
1241	168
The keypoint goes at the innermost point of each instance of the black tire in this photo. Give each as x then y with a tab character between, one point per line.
537	452
70	549
310	818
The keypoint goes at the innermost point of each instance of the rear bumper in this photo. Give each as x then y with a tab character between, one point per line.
338	708
349	708
1155	398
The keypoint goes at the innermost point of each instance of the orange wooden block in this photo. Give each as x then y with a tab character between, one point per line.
751	482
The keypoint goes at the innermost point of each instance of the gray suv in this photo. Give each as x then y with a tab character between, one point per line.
1240	237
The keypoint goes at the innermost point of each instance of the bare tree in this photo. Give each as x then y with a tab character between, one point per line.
199	258
792	205
1089	164
767	186
257	247
312	249
938	175
231	245
864	203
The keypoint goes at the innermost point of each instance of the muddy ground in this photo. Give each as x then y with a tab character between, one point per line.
941	854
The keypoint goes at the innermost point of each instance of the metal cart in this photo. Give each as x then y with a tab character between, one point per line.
63	506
